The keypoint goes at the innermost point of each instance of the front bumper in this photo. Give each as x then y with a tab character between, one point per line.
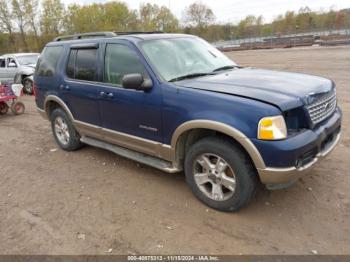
279	177
303	151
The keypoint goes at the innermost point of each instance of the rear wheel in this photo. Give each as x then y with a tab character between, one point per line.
18	108
64	132
220	174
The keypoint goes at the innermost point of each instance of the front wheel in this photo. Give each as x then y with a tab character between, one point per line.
28	86
220	174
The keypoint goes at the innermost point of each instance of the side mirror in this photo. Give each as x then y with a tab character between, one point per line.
12	64
137	82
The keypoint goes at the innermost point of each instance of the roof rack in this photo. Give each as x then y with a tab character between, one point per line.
85	35
138	32
101	35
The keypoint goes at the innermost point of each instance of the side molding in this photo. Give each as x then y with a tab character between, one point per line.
139	144
167	152
222	128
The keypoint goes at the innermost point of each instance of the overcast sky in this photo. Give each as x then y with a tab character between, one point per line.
235	10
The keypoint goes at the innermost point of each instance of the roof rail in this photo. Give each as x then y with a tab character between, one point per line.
139	32
101	34
85	35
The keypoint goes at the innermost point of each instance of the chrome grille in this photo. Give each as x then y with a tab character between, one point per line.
322	107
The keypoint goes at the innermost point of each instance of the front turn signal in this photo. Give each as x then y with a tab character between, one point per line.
272	128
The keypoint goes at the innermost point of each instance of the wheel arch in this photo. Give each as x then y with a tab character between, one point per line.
191	131
52	102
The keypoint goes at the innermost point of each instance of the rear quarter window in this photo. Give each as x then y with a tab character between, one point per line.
48	60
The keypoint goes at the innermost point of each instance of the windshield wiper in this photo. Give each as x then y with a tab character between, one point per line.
225	68
189	76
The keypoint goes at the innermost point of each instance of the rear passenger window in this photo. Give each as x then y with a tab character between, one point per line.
48	60
82	64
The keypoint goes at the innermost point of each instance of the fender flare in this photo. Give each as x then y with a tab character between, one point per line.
242	139
59	101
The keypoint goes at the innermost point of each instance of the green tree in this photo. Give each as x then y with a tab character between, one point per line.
51	20
199	15
157	18
19	14
111	16
116	16
31	14
6	24
166	21
148	13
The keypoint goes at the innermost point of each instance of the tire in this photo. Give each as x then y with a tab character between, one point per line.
18	108
238	180
28	86
63	130
4	108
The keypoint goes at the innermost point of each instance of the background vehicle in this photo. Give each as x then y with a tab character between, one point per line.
9	94
176	103
19	68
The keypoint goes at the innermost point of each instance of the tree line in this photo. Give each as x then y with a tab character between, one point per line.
27	25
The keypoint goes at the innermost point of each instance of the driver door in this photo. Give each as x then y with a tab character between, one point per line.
129	117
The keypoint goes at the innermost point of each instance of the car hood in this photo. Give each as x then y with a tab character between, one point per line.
31	66
282	89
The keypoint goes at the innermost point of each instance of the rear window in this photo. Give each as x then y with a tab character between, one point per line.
48	61
82	64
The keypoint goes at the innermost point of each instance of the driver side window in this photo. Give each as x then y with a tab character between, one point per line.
121	60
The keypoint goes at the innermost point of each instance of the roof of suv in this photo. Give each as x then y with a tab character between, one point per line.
131	37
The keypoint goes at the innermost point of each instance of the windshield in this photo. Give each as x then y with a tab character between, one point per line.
27	59
177	57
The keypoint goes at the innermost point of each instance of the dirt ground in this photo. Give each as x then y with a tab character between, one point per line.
94	202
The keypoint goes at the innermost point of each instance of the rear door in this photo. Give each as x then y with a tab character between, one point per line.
80	87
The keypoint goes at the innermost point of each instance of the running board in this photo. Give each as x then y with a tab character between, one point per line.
133	155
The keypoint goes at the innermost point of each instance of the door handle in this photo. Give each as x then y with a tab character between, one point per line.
108	95
64	87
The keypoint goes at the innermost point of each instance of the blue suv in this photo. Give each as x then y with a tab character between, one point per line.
176	103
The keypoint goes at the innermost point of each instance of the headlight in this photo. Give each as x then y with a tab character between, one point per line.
272	128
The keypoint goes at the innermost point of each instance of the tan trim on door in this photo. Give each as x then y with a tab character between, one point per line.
125	140
166	152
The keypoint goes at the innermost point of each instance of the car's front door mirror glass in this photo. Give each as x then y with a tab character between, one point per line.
137	82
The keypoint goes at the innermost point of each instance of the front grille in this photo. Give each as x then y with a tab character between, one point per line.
322	107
